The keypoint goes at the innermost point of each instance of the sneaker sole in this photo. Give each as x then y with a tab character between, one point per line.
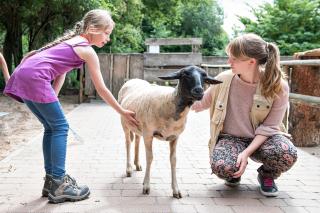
231	184
64	198
267	194
45	193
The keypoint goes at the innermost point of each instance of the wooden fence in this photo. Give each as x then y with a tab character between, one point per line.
304	122
115	69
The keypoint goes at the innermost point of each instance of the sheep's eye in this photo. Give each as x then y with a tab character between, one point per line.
187	74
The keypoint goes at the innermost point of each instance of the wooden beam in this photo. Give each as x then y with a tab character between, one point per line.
172	59
173	41
305	98
313	62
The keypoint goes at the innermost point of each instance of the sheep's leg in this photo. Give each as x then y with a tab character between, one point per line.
149	158
128	147
136	153
173	160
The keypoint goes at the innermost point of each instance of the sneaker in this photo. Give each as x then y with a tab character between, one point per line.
232	182
267	186
46	186
66	189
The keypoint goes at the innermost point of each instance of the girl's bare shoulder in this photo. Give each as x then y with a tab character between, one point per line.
76	40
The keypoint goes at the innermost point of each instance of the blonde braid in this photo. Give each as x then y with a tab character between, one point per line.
98	18
77	30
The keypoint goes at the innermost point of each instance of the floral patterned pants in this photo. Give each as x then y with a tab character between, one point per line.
277	155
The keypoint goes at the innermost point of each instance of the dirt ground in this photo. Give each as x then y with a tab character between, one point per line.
20	125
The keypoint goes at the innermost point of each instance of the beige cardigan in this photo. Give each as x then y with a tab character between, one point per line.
259	110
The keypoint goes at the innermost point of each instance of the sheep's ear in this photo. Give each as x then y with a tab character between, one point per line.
171	76
211	80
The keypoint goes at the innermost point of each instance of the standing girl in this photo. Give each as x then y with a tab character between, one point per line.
246	113
31	83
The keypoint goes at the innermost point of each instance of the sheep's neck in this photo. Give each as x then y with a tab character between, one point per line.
181	103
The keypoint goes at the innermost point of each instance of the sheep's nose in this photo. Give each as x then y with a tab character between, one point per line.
197	92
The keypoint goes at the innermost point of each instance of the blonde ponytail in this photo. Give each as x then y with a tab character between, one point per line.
272	75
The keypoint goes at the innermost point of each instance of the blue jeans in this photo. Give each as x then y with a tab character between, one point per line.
54	142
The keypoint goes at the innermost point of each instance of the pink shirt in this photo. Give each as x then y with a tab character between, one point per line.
31	80
237	121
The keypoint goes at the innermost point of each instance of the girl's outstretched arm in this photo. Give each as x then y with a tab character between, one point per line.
204	103
90	56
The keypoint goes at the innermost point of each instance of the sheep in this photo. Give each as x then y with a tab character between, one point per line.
162	114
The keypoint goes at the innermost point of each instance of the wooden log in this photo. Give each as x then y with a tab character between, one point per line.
304	118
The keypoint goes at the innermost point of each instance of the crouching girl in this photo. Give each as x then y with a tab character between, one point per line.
246	113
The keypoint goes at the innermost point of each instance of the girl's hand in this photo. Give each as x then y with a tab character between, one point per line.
130	117
242	162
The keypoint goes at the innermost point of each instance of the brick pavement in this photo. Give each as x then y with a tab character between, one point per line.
97	158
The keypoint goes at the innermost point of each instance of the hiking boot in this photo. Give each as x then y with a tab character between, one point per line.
66	189
232	182
267	186
46	186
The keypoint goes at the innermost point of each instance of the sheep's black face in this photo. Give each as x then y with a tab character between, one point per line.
191	82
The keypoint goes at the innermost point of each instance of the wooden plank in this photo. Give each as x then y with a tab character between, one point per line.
136	66
172	59
119	72
81	85
173	41
151	74
105	67
89	87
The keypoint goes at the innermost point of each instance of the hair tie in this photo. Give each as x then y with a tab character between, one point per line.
78	28
267	50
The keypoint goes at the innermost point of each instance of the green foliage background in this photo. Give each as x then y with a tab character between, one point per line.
293	24
29	24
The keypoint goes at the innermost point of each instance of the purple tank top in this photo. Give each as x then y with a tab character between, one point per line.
31	80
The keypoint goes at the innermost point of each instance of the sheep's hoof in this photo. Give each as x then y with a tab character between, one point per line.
177	195
146	191
129	174
138	167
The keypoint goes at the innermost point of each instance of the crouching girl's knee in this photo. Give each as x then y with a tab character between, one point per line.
223	168
290	157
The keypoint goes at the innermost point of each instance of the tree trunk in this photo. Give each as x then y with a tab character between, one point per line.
12	47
